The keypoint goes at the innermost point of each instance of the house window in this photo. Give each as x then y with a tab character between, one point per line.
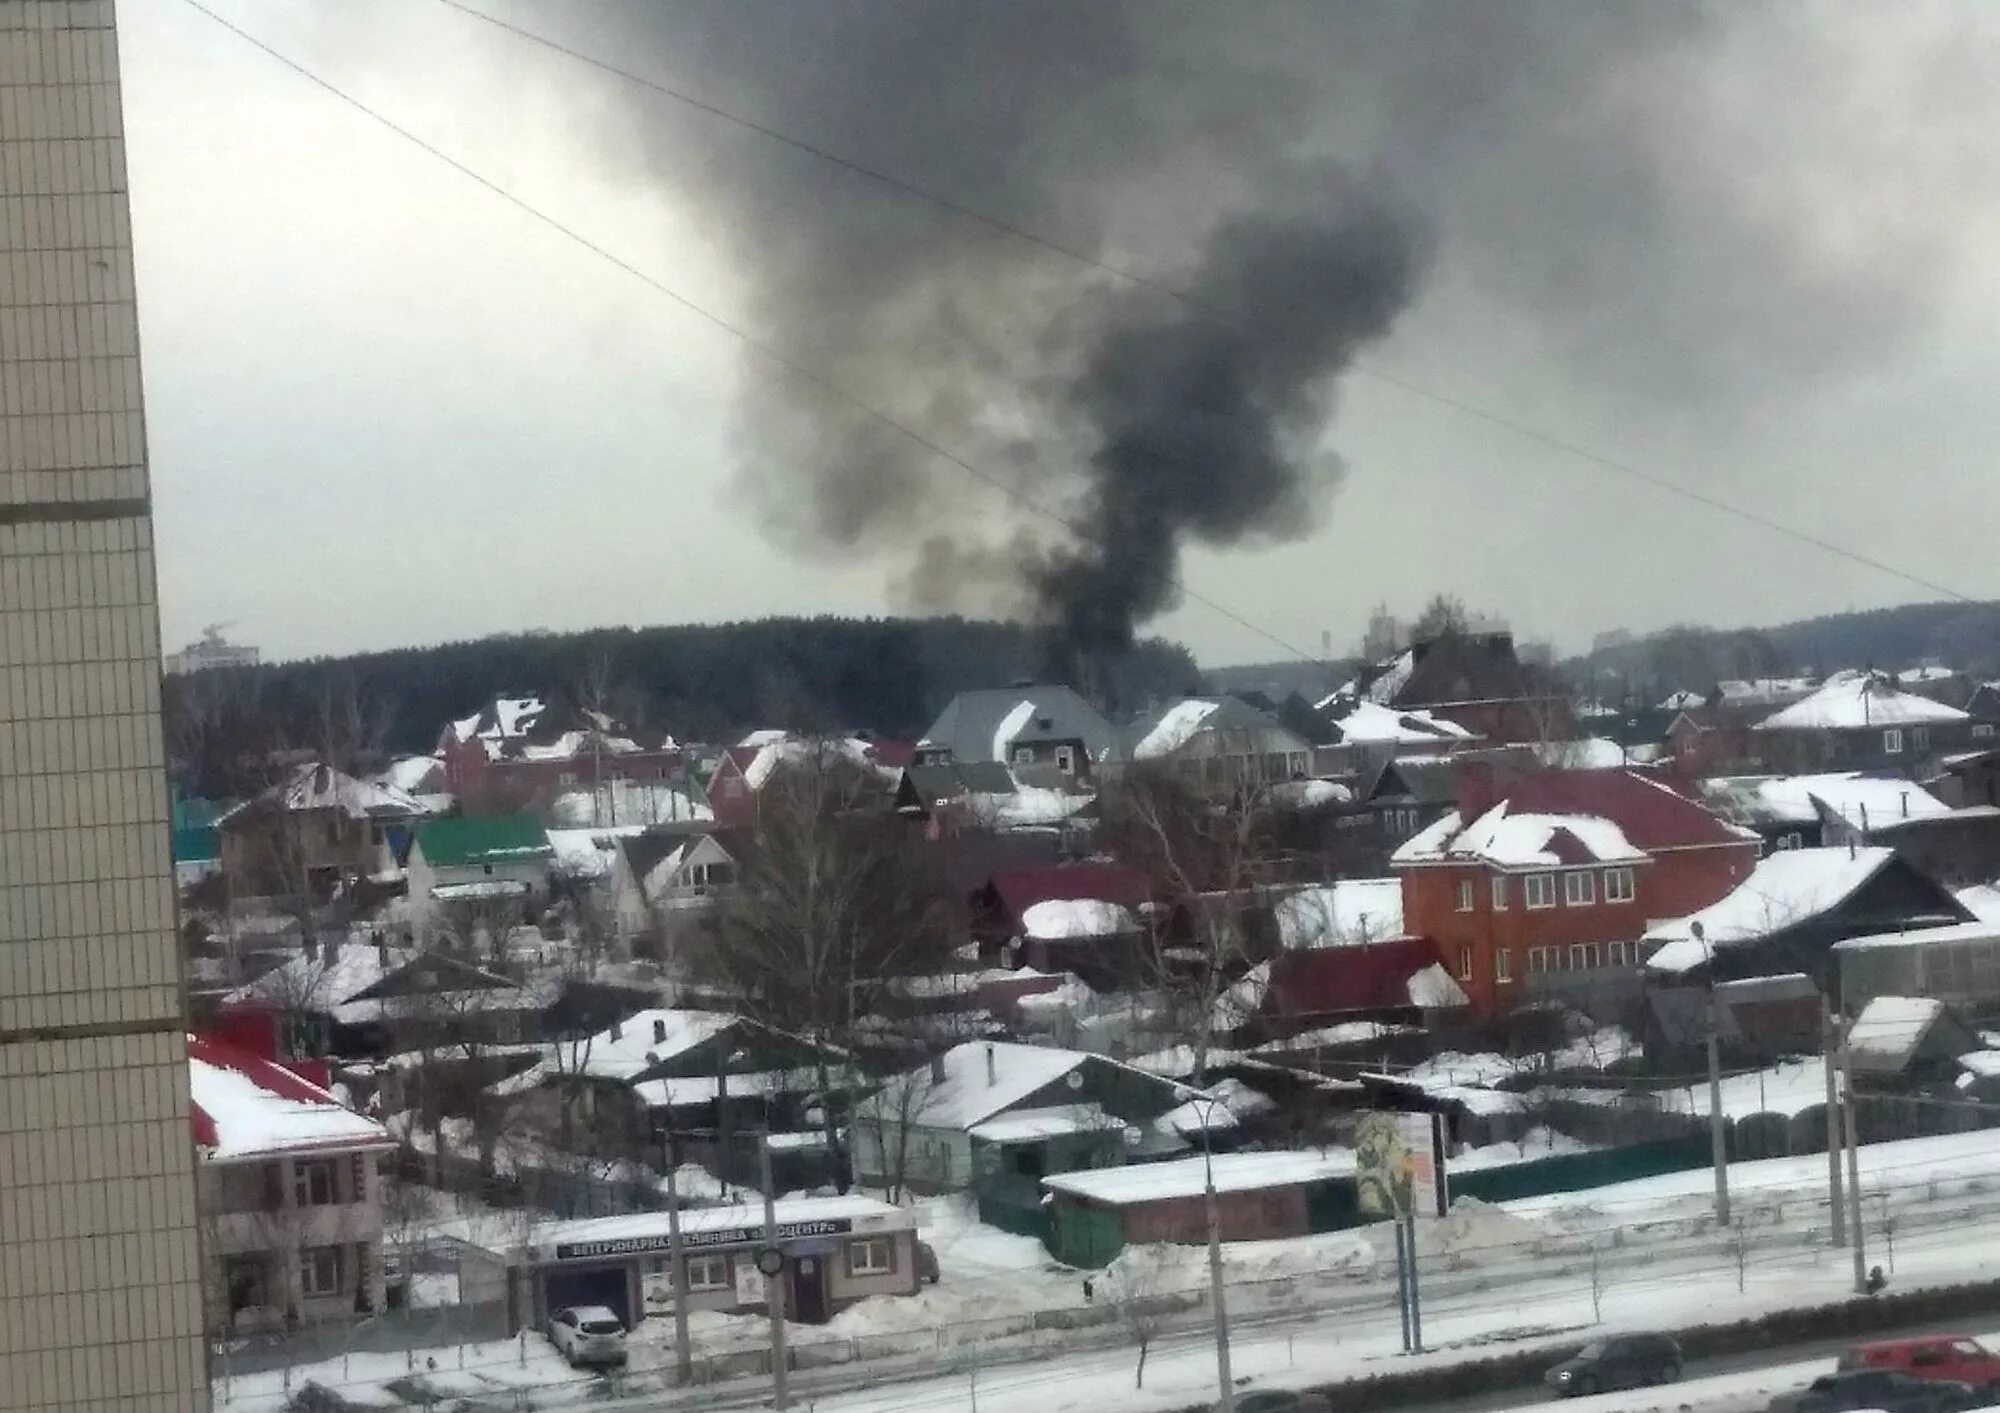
1579	889
1540	890
1794	840
1892	741
874	1257
1503	965
313	1185
1982	731
1298	762
1499	892
1465	895
1066	759
1618	885
1465	964
319	1271
1024	755
1614	953
568	778
1920	738
708	1273
1582	956
1538	960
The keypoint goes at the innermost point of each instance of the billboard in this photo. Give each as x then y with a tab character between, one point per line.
1398	1172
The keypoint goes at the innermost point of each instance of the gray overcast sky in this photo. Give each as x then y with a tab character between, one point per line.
1752	254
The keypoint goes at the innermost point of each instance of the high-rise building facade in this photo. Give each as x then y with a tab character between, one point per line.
100	1271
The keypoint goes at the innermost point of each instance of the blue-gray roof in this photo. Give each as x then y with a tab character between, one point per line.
972	723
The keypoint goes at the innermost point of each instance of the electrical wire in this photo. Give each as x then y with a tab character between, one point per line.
1140	278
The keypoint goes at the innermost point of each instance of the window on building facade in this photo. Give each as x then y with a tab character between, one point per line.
1539	890
1892	741
319	1271
1614	953
1466	894
1538	960
1465	964
1982	731
1023	755
1579	889
1066	759
314	1185
1503	965
1582	956
1793	840
1499	892
875	1256
1920	738
708	1272
1618	887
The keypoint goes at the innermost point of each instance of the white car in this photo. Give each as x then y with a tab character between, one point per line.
588	1334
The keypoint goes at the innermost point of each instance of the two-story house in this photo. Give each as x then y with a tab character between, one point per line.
1542	882
290	1193
466	860
519	751
312	830
1026	725
1862	721
1221	741
1475	680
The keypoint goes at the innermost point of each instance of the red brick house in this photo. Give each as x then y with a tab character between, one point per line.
1543	883
520	752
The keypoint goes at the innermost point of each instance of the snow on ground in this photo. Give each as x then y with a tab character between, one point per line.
1600	1049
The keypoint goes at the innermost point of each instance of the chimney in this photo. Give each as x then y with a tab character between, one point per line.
659	1032
992	1067
617	1030
937	1068
381	951
1906	804
1478	789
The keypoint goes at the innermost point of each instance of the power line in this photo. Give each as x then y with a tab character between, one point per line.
1150	282
775	355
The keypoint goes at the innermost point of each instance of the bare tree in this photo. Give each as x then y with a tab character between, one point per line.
1204	850
1140	1286
354	726
824	915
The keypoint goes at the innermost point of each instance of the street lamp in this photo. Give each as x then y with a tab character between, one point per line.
1224	1383
1717	1120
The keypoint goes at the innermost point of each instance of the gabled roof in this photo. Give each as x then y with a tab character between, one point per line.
462	842
984	725
973	1089
931	785
1880	796
1786	889
1562	817
1395	975
1860	701
1455	667
1359	723
241	1106
1021	888
338	974
642	852
1892	1032
317	786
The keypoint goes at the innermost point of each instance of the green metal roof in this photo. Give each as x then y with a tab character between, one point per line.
450	843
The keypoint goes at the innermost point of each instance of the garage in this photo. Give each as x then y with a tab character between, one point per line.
609	1286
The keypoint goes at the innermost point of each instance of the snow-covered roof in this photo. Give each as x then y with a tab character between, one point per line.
1009	726
340	972
1176	726
1982	900
1368	722
622	802
1506	840
1682	700
1433	989
1039	1125
1890	1028
1240	1004
1785	889
585	854
678	1090
1943	935
1879	797
1765	691
1361	1032
640	1042
1057	919
1340	914
1859	701
1187	1177
1927	672
799	750
243	1106
867	1213
970	1092
1587	753
314	786
1310	794
412	775
1026	806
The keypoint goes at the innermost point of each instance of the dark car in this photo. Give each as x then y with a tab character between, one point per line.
1623	1361
1280	1400
1882	1389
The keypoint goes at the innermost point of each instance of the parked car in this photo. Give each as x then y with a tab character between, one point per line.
1956	1357
927	1263
588	1334
1876	1389
1280	1400
1623	1361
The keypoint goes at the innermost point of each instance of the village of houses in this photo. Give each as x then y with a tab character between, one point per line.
474	1033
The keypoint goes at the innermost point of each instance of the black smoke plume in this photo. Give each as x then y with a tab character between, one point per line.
1631	194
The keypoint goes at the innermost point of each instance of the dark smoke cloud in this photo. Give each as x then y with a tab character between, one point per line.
1688	209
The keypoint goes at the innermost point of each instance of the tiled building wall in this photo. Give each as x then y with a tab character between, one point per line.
100	1284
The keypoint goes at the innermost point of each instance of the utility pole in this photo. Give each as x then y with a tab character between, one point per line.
1718	1119
774	1286
1853	1126
677	1259
1836	1202
1226	1402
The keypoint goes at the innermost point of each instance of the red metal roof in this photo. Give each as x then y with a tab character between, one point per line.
267	1075
1652	813
1329	981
